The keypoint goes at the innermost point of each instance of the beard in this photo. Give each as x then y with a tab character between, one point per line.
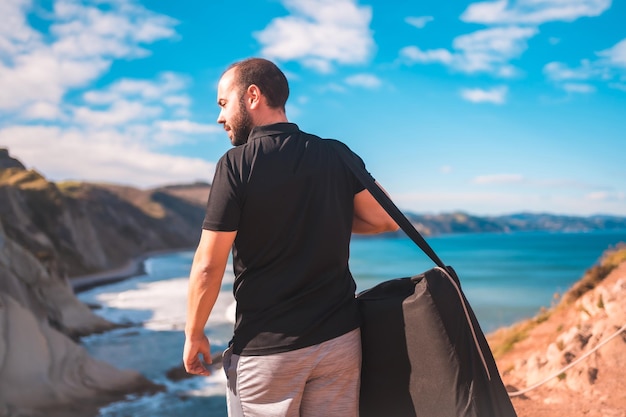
241	125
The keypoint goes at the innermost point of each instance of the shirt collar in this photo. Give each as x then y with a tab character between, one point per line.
273	129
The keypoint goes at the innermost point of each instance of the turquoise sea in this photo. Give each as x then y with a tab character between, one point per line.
506	277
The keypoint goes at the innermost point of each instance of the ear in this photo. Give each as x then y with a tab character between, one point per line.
253	96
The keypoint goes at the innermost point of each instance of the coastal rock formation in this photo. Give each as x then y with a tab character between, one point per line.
28	282
41	368
540	349
49	232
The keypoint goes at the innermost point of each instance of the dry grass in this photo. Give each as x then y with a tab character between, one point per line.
502	341
22	179
596	274
74	189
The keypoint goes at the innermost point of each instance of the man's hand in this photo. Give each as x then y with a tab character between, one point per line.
194	347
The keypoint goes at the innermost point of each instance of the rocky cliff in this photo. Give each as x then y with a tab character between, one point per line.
49	232
573	355
44	372
90	227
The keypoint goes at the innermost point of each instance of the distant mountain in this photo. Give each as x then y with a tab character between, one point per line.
459	222
545	221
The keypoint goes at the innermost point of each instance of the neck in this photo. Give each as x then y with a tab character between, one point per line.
270	117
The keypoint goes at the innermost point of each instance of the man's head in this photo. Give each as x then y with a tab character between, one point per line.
252	92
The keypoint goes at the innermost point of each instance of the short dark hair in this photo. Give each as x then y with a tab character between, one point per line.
265	75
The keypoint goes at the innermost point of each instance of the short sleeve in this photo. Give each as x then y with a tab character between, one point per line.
224	205
357	185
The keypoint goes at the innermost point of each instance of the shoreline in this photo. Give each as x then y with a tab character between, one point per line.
132	268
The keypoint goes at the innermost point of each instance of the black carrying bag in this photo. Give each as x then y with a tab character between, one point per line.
424	353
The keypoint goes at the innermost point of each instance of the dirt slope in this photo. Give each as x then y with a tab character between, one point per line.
590	313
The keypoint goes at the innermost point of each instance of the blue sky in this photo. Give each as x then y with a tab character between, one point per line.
486	107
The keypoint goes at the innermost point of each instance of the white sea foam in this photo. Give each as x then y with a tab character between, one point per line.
165	304
186	398
157	303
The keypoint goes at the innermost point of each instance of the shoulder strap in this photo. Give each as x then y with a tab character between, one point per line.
389	206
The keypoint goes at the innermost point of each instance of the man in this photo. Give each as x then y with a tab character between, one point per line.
286	204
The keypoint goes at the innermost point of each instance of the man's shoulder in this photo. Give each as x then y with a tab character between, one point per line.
230	155
334	144
323	140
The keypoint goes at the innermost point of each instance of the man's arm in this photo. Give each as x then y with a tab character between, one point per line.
205	280
369	216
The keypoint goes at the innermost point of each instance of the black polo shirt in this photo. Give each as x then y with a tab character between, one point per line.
291	200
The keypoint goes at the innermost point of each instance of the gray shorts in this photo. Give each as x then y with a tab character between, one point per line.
317	381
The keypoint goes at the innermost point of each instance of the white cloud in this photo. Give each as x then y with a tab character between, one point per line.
488	50
445	169
320	34
579	88
415	54
606	196
507	202
155	27
81	44
116	133
419	22
171	132
597	195
534	12
177	100
136	100
615	56
472	202
498	179
610	66
119	113
512	24
187	126
495	95
102	155
42	110
536	183
16	35
491	49
167	83
153	111
557	71
40	76
117	31
364	80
